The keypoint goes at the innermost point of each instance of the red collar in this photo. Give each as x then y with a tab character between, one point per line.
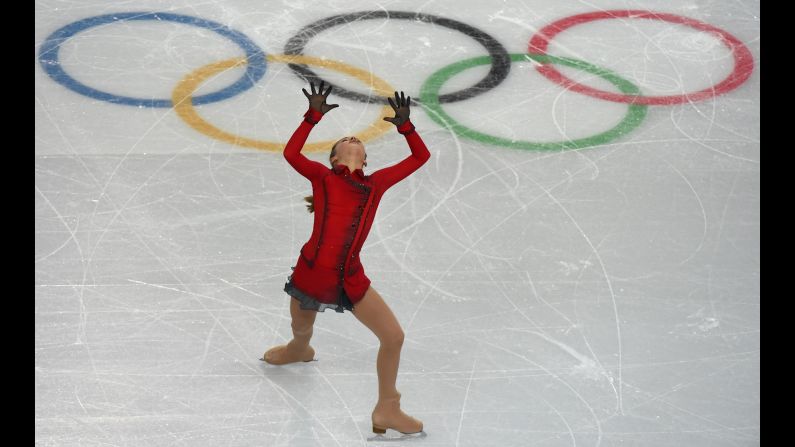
340	168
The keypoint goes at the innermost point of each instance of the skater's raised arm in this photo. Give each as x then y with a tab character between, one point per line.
386	177
292	151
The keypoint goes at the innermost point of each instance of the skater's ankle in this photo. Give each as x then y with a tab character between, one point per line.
388	398
297	345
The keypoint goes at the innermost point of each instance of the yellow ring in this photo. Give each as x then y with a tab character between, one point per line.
182	98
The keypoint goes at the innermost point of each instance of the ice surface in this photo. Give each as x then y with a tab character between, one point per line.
600	296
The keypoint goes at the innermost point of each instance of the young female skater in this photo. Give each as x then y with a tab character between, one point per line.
328	272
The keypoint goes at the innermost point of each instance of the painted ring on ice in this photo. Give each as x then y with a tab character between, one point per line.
181	98
743	59
430	94
49	58
501	63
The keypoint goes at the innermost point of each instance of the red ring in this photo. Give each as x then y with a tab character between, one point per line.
743	59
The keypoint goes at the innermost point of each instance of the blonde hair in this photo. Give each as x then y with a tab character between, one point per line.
310	207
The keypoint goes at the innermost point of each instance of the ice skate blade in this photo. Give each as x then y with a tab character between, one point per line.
262	359
398	437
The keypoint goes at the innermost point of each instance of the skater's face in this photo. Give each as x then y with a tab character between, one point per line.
348	150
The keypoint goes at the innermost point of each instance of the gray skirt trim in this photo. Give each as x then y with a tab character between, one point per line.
308	302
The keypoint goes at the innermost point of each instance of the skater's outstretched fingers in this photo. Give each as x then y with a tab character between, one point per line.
317	99
401	107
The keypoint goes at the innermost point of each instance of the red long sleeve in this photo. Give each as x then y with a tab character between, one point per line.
386	177
345	206
292	151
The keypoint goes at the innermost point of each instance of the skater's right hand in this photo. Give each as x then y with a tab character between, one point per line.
401	107
317	100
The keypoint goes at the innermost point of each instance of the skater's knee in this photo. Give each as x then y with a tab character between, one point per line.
393	338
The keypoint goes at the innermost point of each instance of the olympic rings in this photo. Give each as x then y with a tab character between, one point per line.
501	63
430	89
181	98
743	59
48	57
256	64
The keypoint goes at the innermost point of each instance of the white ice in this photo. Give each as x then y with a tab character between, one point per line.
602	296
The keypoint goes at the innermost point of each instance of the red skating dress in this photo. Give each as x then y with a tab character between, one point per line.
328	272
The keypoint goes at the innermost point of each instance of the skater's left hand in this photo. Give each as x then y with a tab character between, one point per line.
401	107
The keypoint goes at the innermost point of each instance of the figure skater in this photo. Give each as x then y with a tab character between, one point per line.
328	273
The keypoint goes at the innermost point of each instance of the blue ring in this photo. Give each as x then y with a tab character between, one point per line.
48	58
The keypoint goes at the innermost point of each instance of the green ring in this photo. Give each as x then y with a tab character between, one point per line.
429	95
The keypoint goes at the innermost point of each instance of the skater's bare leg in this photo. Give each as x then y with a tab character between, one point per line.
303	322
298	349
374	313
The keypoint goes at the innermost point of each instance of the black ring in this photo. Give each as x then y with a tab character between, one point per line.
500	59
